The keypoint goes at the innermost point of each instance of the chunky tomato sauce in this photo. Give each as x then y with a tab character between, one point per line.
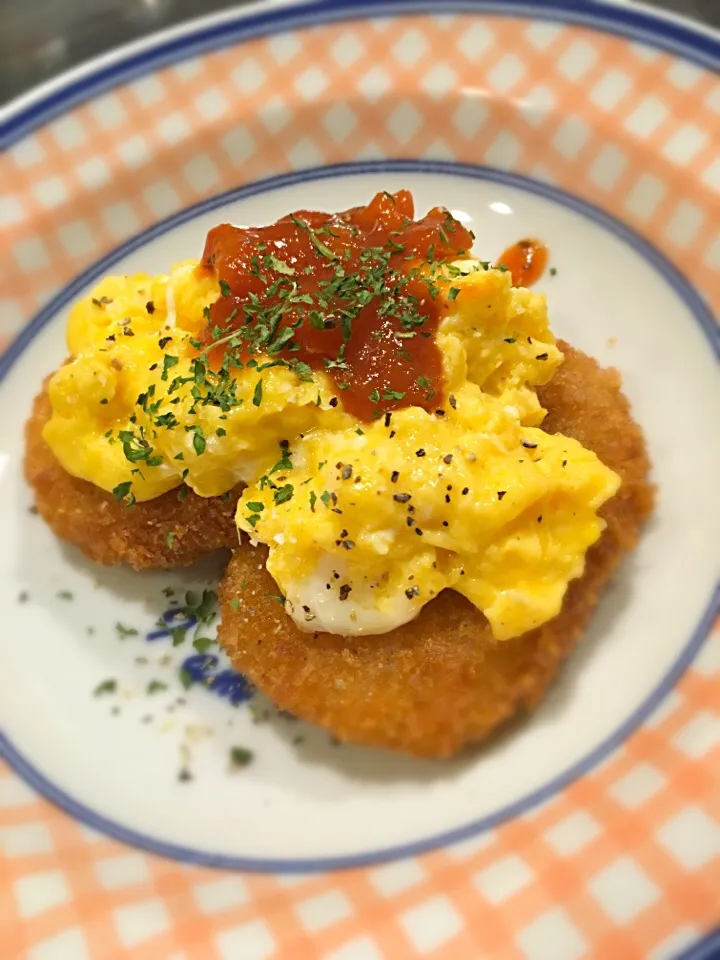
349	293
526	260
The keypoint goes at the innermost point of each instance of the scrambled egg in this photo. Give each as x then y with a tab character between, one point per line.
119	338
365	523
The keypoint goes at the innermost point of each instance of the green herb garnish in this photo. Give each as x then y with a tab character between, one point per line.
240	757
203	644
283	494
121	491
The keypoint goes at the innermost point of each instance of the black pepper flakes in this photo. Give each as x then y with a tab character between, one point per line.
346	471
448	458
388	418
420	452
447	498
394	476
501	494
410	522
150	307
529	445
418	531
465	491
163	342
402	497
345	591
348	544
541	356
333	401
452	401
413	591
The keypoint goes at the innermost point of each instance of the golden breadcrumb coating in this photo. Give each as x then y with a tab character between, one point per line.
442	681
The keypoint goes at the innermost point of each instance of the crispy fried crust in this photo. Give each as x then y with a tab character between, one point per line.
110	532
442	681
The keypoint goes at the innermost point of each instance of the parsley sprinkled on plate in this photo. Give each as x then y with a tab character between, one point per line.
203	644
240	757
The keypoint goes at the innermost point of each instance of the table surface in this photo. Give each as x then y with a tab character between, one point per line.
41	38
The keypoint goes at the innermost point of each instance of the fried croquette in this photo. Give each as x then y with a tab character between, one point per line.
442	681
165	532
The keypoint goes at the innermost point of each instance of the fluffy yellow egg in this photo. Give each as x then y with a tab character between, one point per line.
131	376
500	337
392	513
365	522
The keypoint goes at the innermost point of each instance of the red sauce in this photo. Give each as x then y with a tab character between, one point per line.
346	293
526	260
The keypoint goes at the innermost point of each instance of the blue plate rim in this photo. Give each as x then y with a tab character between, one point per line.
657	260
641	24
661	30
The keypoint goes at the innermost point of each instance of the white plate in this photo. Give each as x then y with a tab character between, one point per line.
132	181
124	771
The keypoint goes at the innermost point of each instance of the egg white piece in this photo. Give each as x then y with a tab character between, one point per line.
315	609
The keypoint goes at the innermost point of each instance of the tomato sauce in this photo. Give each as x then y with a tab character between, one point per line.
352	293
526	260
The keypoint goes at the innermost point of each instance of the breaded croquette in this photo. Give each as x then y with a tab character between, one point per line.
165	532
442	681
